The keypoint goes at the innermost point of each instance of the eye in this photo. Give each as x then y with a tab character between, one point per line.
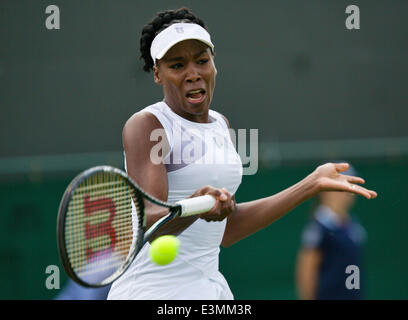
202	61
176	66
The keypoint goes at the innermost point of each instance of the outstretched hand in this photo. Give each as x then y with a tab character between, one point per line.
329	178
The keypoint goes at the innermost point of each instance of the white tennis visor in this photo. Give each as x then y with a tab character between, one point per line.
176	33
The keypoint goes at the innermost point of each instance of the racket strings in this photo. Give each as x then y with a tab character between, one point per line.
101	184
103	232
121	250
105	265
99	228
100	218
78	203
99	246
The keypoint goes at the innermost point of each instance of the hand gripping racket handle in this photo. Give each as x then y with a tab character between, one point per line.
196	205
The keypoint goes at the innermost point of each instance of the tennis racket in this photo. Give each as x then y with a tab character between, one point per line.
101	224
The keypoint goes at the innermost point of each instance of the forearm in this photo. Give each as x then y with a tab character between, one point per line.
250	217
307	270
306	286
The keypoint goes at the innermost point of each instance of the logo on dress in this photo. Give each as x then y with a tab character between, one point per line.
218	141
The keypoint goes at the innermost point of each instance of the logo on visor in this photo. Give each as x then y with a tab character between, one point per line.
179	29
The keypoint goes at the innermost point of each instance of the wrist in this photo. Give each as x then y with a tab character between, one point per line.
311	184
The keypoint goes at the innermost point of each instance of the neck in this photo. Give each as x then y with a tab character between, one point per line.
340	211
199	117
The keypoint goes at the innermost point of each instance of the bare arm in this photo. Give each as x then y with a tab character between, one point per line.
307	271
250	217
150	174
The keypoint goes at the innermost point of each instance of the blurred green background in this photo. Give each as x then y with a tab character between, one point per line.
315	90
258	267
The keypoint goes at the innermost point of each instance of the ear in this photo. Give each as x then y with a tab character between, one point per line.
212	55
156	75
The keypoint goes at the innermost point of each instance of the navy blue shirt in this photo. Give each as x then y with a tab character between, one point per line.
341	245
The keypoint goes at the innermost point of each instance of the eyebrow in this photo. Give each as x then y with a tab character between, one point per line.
181	58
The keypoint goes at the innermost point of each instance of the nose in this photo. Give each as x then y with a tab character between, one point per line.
192	74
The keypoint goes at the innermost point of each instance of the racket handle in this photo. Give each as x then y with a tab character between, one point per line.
196	205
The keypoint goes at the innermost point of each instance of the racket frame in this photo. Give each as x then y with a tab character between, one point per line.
142	237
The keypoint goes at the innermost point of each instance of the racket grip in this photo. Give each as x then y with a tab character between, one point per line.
196	205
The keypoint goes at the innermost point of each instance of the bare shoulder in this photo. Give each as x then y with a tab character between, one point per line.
142	121
140	126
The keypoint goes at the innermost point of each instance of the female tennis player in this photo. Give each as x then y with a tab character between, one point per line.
177	47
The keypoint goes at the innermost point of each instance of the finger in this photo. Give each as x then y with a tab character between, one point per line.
227	195
228	204
340	167
354	189
223	203
216	213
373	194
211	191
353	179
218	194
369	194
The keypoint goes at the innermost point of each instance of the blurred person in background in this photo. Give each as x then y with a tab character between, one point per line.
331	241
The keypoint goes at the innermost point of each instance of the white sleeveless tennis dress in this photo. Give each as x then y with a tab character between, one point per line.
200	154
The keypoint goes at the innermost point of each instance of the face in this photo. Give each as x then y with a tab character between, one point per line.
342	200
187	74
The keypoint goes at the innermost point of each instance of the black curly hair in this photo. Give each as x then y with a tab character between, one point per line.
160	22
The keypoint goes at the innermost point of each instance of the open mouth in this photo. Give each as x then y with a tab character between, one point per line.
196	96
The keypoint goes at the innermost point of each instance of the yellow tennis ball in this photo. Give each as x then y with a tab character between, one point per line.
164	249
